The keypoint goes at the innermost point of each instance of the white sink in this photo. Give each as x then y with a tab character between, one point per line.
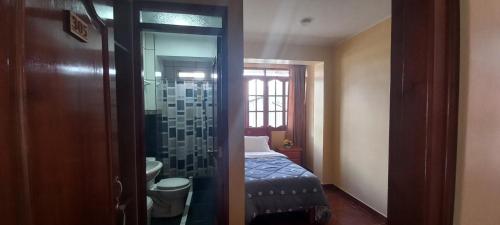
152	170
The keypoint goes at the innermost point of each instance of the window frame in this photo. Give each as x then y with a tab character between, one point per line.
266	80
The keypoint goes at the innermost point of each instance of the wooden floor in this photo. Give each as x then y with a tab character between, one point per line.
345	212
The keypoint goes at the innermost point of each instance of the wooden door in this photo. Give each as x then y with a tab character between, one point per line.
12	182
61	118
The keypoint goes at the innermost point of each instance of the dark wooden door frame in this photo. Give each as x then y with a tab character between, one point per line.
222	86
423	113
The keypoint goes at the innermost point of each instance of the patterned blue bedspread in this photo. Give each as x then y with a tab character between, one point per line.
276	184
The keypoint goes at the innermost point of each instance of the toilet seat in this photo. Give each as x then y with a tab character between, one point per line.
172	183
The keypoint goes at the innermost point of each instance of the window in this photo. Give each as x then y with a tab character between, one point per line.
267	93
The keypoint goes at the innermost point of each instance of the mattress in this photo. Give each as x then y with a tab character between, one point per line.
274	184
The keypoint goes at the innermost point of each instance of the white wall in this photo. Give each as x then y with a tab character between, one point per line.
157	44
185	45
361	90
314	157
149	67
265	50
478	170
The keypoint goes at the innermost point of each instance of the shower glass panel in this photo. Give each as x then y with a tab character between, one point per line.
180	102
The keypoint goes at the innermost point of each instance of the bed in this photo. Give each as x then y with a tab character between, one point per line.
274	184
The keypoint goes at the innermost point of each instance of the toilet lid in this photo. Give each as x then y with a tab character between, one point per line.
172	183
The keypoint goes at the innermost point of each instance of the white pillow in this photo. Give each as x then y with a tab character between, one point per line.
257	144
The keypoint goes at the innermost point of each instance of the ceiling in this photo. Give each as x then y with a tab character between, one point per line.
333	20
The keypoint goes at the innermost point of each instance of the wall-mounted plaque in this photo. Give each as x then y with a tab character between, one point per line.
76	26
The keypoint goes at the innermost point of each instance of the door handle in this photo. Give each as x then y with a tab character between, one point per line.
218	152
118	206
119	195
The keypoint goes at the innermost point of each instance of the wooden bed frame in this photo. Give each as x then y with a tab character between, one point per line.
259	132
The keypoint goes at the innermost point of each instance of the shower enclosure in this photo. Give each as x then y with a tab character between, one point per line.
180	89
182	72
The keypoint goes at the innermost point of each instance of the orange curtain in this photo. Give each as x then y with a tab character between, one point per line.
296	129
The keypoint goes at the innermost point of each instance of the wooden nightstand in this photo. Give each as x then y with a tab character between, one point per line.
294	153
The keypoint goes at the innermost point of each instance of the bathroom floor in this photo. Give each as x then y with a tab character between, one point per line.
202	209
166	221
202	206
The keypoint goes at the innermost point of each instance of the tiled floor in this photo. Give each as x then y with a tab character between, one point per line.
202	209
345	212
166	221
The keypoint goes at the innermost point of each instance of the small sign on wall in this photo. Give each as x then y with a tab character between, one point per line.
77	27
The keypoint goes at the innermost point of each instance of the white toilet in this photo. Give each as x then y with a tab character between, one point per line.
149	207
169	197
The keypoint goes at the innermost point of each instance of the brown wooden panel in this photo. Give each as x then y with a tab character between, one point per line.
125	89
13	191
67	118
424	94
262	131
296	161
292	154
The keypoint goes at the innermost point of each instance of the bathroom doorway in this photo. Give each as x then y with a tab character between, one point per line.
182	75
